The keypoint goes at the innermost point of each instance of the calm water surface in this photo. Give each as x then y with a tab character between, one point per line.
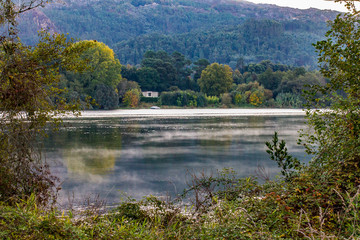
141	154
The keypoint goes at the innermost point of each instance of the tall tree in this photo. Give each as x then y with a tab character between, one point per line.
269	79
104	74
172	70
183	71
199	66
336	140
149	79
216	79
162	63
29	100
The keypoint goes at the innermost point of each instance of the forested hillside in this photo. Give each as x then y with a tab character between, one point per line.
287	42
220	31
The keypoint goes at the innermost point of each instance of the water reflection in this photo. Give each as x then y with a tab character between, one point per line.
151	155
86	161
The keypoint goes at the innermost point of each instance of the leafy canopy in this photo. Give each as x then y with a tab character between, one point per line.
29	99
335	142
215	79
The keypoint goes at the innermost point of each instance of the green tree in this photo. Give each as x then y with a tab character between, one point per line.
215	79
269	79
237	77
29	100
183	72
336	141
106	96
104	70
130	73
163	64
199	66
149	79
172	70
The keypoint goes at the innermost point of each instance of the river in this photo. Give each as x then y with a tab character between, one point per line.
143	152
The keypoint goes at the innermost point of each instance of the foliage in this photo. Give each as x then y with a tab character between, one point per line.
149	99
215	79
102	77
183	98
106	97
30	98
219	205
226	99
256	98
199	66
251	93
125	86
269	79
238	99
278	153
34	222
289	100
132	98
149	79
197	29
212	100
335	141
227	43
296	82
160	71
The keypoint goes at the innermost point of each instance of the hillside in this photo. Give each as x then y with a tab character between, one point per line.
254	41
216	26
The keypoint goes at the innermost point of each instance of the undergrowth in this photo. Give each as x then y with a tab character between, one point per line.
215	206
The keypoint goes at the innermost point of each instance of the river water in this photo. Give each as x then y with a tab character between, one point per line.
143	152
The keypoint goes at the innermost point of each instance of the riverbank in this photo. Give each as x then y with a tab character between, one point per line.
222	207
192	112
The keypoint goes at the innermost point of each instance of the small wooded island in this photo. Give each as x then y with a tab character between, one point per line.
42	82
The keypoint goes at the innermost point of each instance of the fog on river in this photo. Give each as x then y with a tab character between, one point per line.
143	152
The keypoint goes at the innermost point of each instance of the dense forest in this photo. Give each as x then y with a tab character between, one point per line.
220	31
184	83
288	42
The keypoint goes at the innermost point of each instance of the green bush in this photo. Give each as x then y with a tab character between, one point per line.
212	100
183	99
289	100
149	99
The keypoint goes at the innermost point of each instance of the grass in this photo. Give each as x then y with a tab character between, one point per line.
219	207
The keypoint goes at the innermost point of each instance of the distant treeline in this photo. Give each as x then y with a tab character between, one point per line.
182	82
287	42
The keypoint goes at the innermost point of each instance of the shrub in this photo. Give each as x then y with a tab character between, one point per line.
238	99
289	100
149	99
132	98
183	98
226	99
256	98
106	97
212	100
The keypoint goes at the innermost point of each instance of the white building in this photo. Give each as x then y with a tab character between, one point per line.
150	94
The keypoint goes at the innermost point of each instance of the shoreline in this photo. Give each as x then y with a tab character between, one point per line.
197	112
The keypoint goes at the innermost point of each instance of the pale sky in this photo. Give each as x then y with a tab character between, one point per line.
304	4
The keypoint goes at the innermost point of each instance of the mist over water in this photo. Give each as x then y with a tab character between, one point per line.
151	153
